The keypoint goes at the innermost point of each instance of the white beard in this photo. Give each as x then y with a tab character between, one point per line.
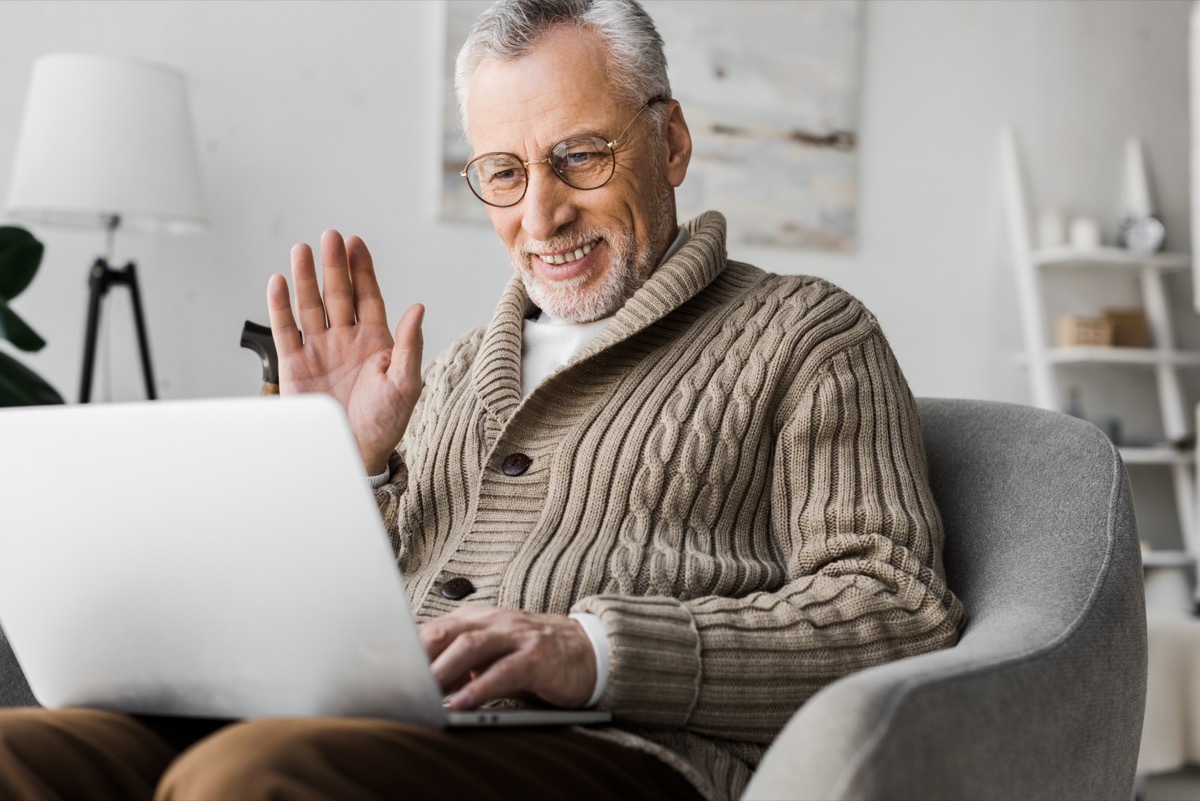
571	299
631	267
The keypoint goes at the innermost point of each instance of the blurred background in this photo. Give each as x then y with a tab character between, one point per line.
312	115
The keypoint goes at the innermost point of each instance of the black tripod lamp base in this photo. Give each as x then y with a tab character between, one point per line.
101	279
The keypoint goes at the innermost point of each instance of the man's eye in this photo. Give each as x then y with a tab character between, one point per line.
580	155
581	158
501	174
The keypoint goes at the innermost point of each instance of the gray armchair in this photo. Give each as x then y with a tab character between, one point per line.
14	690
1044	695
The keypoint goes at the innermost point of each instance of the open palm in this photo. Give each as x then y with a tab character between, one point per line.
343	346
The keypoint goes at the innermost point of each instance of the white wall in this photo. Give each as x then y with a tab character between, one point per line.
319	114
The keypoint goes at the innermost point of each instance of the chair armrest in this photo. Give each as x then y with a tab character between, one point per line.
14	690
1007	713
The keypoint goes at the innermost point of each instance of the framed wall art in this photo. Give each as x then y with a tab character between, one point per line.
770	91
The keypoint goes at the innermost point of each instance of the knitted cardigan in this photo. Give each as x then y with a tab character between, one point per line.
731	476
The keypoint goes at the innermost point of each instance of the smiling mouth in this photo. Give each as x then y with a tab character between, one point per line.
570	256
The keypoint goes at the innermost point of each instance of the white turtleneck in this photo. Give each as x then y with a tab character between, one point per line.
551	342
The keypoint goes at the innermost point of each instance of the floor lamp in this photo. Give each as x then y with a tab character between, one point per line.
107	142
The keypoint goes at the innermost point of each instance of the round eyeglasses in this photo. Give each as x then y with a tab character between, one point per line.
582	162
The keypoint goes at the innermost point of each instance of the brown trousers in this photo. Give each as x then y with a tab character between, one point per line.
90	754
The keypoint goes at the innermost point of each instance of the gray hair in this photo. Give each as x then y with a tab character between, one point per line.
509	29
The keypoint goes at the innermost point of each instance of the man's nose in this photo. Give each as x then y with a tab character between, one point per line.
548	204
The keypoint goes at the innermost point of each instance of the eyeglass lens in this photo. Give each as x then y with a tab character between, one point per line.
584	163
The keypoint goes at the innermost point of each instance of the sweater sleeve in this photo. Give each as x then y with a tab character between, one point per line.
859	537
440	377
388	498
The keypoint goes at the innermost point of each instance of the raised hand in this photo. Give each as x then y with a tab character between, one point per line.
346	349
482	652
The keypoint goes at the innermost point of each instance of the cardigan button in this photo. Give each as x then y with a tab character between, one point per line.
457	588
515	464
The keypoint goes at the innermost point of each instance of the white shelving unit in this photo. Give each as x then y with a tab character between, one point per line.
1162	358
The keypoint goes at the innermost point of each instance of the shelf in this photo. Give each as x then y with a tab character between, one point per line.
1163	454
1166	559
1109	355
1117	258
1156	367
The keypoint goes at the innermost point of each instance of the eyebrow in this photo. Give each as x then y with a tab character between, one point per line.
569	137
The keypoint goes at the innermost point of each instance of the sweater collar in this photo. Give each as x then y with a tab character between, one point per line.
497	370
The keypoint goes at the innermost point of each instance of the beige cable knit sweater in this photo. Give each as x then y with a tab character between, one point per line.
731	476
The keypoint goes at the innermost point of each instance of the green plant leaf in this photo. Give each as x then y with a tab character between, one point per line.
20	386
17	331
20	255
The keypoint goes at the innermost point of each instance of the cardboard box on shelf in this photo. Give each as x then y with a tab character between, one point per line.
1130	327
1076	330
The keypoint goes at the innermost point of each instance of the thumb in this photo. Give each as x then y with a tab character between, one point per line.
407	350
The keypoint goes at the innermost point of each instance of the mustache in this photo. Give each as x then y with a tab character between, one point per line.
563	242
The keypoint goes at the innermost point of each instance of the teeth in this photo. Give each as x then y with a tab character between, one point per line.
563	258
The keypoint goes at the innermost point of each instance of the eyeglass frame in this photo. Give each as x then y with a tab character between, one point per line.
525	165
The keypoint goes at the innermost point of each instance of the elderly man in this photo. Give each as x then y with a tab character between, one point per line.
659	482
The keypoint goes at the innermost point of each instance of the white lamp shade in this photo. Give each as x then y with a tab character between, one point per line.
103	137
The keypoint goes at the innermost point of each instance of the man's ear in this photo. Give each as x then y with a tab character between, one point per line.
677	141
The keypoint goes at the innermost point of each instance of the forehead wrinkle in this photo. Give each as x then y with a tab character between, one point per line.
537	134
557	90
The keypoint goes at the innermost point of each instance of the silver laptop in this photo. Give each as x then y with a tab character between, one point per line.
212	558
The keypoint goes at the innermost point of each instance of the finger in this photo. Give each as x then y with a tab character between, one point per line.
309	307
405	367
472	651
436	635
506	677
283	323
335	275
368	299
454	688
